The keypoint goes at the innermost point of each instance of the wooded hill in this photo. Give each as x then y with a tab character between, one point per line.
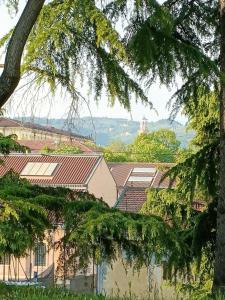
105	130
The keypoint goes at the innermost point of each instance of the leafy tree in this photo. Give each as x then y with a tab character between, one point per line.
116	152
9	144
92	229
204	120
163	40
195	179
156	146
188	37
68	36
62	149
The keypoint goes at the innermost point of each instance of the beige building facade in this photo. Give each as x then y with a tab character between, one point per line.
78	172
120	280
34	132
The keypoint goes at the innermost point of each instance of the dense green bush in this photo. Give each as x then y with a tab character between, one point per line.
36	293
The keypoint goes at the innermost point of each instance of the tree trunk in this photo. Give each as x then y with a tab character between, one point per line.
11	73
219	271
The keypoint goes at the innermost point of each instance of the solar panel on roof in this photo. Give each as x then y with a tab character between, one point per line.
38	169
144	170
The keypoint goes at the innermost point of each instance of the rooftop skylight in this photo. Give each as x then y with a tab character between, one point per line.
38	169
140	178
144	170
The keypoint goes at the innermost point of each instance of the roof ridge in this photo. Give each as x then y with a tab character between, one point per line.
142	163
91	154
12	120
52	129
121	196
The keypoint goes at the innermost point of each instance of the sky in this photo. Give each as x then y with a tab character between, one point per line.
158	95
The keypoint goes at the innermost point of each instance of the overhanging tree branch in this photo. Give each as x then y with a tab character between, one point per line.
11	73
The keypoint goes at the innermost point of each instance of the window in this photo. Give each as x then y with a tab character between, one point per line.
140	178
40	255
4	259
166	275
38	169
144	170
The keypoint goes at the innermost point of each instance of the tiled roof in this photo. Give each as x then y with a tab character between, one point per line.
122	171
38	145
132	199
7	122
157	183
71	169
133	193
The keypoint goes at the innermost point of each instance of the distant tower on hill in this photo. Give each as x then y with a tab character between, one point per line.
143	126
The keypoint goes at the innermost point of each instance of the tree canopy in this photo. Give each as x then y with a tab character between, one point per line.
72	39
156	146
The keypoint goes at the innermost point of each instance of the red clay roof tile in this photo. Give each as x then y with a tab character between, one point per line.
132	199
37	146
133	193
72	169
122	171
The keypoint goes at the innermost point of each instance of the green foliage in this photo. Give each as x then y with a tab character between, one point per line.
194	178
62	149
91	227
177	37
104	232
9	144
116	152
168	204
73	40
204	120
38	293
156	146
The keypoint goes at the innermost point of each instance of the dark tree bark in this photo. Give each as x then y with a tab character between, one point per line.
11	73
219	271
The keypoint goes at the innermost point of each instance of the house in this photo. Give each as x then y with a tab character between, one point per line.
133	179
76	172
36	137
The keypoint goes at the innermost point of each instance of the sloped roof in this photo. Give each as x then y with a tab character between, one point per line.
122	171
133	193
71	169
132	199
38	145
7	122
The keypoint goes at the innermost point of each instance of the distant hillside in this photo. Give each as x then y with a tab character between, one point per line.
105	130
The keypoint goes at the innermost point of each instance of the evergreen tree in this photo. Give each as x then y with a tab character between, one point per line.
162	41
